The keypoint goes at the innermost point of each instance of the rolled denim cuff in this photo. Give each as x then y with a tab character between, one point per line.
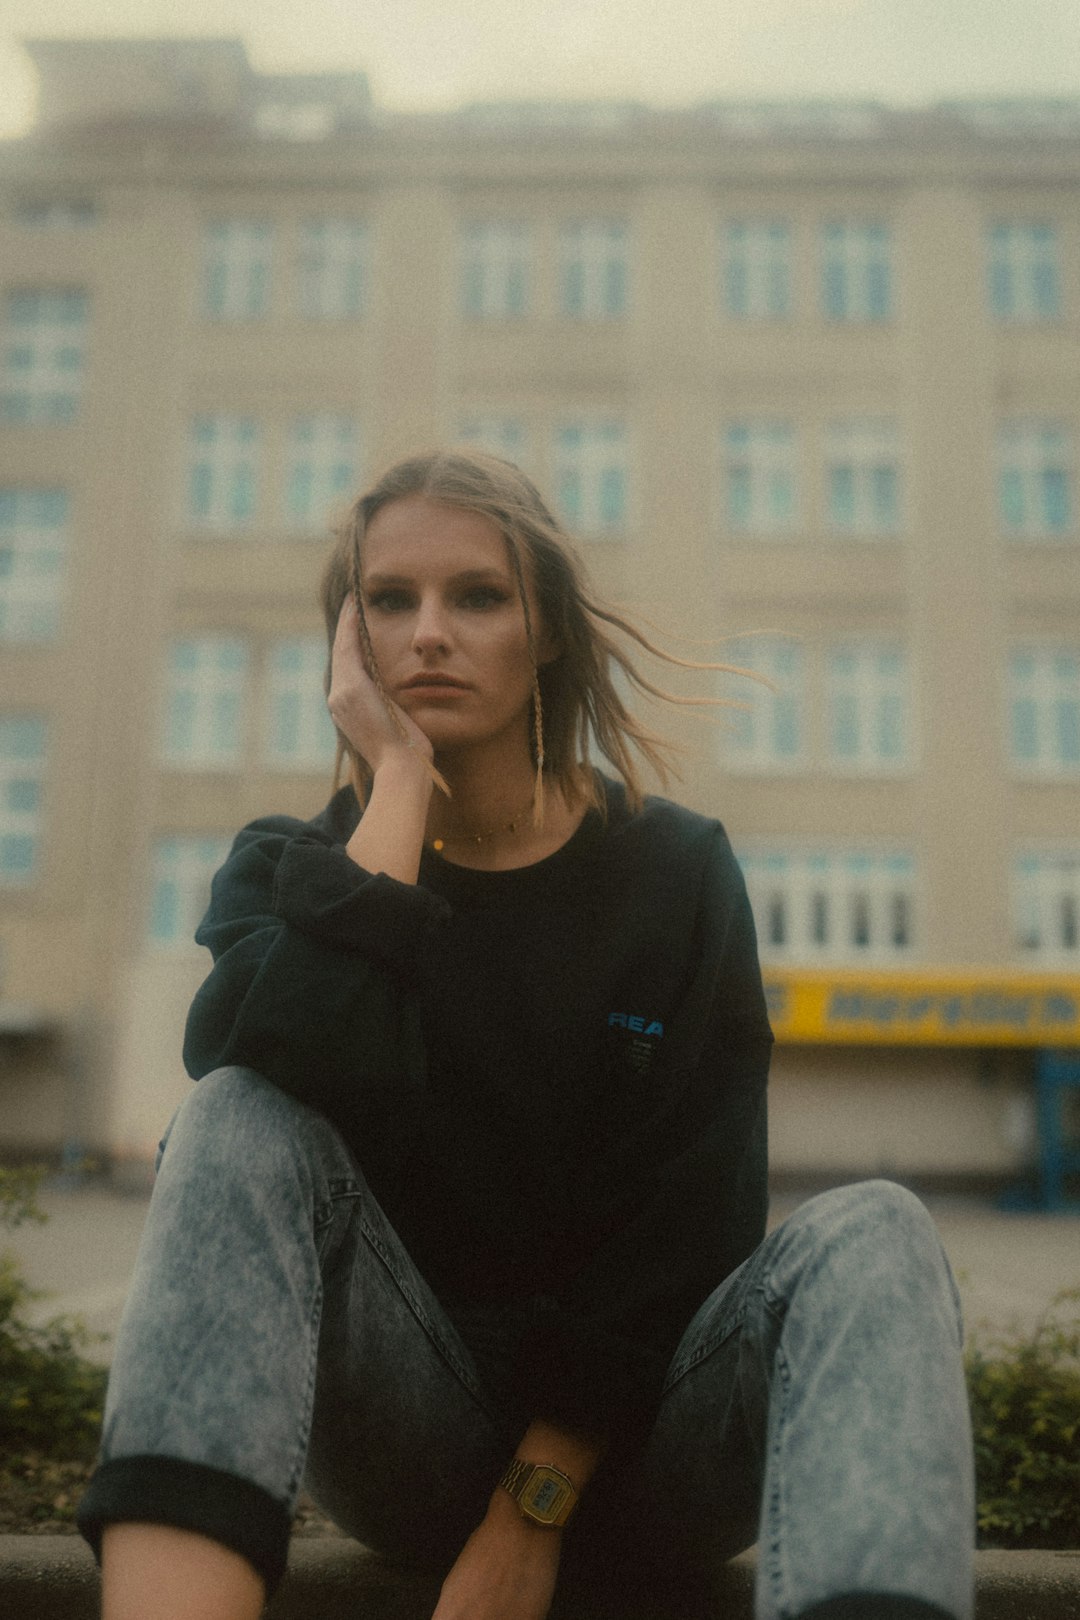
189	1496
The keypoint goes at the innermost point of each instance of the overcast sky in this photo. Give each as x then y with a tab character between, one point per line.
433	53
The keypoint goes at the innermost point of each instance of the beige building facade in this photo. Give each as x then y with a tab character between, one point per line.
805	380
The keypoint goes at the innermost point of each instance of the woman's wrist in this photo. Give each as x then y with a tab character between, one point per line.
515	1529
554	1451
390	833
401	764
573	1454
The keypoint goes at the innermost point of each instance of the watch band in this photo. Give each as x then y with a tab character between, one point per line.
542	1492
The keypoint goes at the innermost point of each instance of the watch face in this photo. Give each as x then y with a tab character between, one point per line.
544	1495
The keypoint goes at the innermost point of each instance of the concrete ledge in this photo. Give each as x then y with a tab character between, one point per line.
54	1578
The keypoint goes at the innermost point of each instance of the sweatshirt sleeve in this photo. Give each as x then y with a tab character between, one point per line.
596	1356
311	957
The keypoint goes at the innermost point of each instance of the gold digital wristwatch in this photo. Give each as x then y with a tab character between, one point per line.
542	1493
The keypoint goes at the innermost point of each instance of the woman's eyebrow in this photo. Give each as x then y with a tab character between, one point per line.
467	576
370	581
471	576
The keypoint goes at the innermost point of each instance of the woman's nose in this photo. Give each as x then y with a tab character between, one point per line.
430	630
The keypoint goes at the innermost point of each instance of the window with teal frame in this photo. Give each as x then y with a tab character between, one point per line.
22	769
765	730
756	269
298	734
593	269
761	477
868	707
223	459
236	269
1046	906
333	268
1023	271
33	563
322	468
591	472
498	434
42	355
1044	710
862	477
1035	479
495	269
856	270
841	906
204	702
181	870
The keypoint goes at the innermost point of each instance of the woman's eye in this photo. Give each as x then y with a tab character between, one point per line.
483	596
389	601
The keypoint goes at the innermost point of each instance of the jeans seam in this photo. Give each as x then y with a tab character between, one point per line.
325	1211
704	1350
771	1541
457	1367
307	1407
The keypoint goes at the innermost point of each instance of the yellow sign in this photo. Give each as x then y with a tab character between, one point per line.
931	1008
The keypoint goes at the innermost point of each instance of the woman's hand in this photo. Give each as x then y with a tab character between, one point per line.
356	707
390	834
508	1567
505	1571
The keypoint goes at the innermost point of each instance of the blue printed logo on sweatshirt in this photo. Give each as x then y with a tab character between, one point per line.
635	1042
636	1023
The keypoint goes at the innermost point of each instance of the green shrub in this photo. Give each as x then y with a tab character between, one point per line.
1025	1408
51	1397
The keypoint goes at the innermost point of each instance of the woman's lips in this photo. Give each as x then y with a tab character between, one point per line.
434	685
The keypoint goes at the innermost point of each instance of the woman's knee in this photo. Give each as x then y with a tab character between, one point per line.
222	1105
874	1234
866	1210
236	1119
229	1089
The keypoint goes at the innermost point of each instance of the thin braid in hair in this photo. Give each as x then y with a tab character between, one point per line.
538	741
537	701
376	677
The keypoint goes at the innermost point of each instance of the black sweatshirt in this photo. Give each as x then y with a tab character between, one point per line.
553	1078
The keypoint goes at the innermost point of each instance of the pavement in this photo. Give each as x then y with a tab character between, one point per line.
53	1578
1009	1266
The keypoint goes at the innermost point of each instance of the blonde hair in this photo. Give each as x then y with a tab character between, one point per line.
575	699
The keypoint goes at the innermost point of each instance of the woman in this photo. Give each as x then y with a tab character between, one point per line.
465	1221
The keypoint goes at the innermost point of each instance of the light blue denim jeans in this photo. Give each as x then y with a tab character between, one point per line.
277	1332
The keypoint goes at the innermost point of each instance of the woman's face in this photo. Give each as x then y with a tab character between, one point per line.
446	623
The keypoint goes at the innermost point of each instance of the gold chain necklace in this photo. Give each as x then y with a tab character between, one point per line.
510	826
